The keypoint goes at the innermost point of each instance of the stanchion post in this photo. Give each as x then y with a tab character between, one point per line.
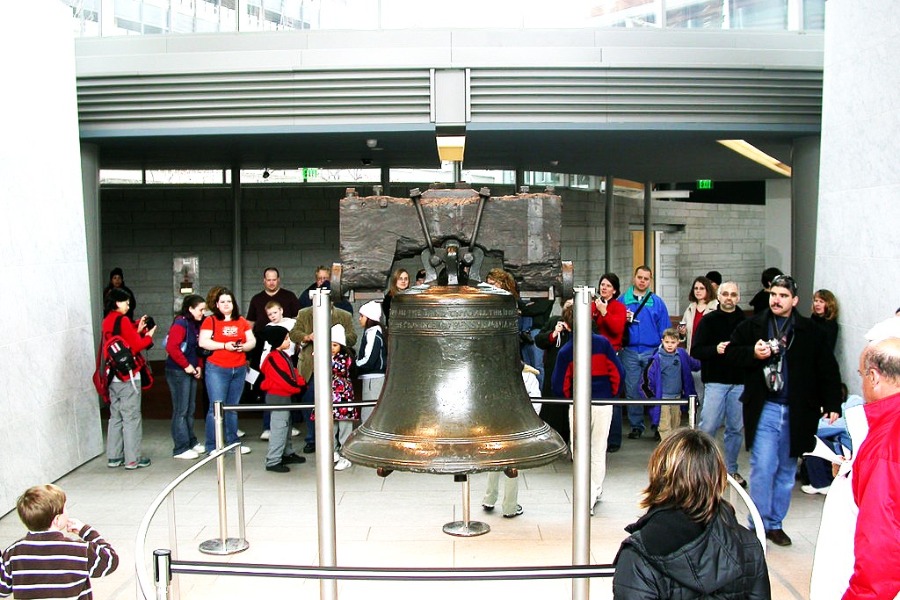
581	436
239	490
219	421
223	544
321	304
466	527
162	573
692	411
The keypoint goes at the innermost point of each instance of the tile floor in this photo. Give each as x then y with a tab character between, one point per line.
393	522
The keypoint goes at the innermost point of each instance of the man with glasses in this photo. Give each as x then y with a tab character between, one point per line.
791	379
876	479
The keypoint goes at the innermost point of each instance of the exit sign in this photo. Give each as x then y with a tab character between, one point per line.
704	184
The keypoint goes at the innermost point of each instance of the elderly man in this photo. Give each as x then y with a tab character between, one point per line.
876	471
724	382
790	375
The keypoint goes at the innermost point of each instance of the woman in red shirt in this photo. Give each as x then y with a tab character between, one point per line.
608	315
229	337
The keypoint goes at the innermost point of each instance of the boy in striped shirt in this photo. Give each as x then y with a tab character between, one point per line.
48	563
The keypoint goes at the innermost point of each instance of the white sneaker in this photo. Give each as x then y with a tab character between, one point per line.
808	489
337	457
199	448
264	435
294	432
187	455
246	450
240	433
342	464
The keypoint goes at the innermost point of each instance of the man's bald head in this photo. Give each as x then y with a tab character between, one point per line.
879	367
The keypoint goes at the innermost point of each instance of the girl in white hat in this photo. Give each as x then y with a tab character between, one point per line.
341	393
371	360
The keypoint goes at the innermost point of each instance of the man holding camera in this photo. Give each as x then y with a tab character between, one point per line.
791	379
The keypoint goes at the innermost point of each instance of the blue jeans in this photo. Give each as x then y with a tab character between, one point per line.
722	402
634	363
225	384
534	356
183	388
772	470
615	429
309	398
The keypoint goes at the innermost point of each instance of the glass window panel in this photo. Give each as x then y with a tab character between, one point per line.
113	176
173	176
814	15
695	14
625	13
758	14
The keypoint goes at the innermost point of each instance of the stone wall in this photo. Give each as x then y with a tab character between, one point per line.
295	228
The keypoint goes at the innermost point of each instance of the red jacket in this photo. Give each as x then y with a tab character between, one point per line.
281	377
876	490
612	326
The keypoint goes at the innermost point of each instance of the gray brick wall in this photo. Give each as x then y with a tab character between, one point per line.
296	228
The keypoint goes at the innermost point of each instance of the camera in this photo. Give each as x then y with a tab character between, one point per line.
150	322
774	345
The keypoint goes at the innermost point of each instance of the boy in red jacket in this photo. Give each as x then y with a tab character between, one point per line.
281	382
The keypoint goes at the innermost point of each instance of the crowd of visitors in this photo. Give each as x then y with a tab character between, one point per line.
770	379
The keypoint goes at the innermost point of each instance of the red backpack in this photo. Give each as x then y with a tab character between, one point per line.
115	358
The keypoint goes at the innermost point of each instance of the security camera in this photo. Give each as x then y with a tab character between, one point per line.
366	161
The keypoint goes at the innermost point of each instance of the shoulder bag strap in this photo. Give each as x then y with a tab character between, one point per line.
284	375
643	302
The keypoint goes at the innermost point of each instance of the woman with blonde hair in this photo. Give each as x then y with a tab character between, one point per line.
689	543
824	314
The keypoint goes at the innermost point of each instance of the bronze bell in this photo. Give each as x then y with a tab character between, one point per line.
453	400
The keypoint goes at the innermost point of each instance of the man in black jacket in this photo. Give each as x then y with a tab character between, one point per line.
723	382
790	379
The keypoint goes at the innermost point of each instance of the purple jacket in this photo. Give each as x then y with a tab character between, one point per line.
651	378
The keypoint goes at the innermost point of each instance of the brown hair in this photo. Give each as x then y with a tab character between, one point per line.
687	471
568	315
39	505
212	294
394	290
710	295
831	305
273	304
504	281
671	332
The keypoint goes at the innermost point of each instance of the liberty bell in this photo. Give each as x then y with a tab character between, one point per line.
453	400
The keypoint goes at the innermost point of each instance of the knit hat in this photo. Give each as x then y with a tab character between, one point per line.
274	335
371	310
337	335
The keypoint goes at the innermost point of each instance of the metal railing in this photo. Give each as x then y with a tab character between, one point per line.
166	563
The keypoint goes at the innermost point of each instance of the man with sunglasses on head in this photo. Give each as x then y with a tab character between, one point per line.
790	380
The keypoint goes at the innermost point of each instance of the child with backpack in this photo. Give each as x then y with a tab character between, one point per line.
281	382
668	376
125	430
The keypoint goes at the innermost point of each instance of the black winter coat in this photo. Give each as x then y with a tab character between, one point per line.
814	380
670	557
